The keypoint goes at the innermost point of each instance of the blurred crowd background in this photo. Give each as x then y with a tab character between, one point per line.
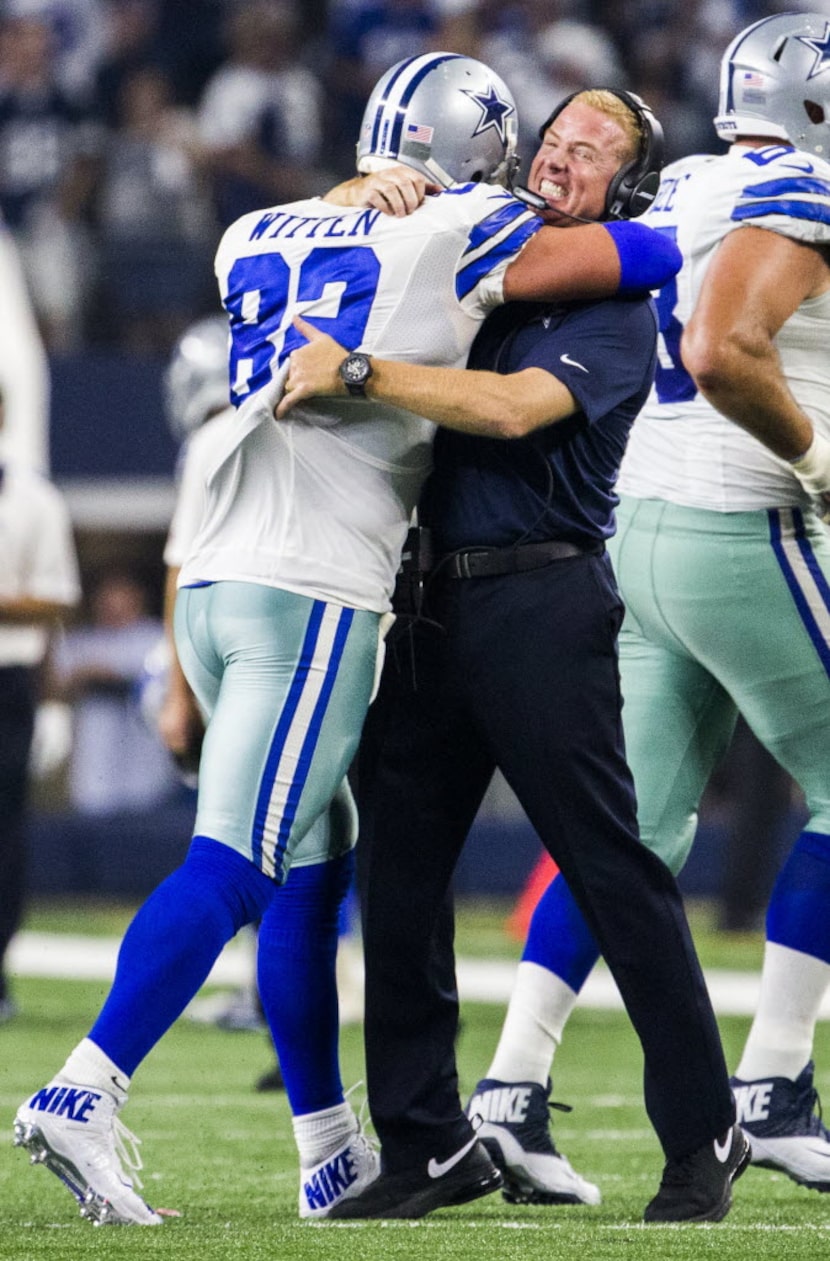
131	133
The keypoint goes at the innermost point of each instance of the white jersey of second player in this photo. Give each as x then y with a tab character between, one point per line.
681	449
196	462
320	503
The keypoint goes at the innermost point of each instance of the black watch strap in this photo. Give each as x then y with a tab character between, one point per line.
355	371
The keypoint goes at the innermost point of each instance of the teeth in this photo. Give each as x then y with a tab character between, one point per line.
548	189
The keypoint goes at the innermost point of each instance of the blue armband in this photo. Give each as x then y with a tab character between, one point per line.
648	258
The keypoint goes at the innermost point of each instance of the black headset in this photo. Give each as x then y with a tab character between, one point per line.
634	187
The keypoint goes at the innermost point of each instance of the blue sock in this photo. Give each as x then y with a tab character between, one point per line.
348	920
296	953
172	944
558	938
797	914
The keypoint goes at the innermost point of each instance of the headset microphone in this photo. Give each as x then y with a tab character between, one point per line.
533	200
537	203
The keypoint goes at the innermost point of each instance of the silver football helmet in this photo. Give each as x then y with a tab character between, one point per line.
775	81
450	117
196	382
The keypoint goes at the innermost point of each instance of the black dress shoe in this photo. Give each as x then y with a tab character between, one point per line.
462	1176
698	1188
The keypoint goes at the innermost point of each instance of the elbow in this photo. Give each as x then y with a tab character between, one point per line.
512	424
708	361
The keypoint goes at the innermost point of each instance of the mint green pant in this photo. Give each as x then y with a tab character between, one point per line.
285	682
725	613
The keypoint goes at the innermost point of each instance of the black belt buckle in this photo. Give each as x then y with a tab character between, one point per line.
464	563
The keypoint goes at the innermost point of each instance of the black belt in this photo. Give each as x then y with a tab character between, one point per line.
490	562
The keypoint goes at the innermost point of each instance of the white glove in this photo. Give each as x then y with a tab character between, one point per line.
813	467
52	740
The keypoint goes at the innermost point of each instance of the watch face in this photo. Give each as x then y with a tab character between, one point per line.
355	369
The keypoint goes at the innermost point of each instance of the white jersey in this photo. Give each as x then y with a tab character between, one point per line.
319	504
681	449
37	557
198	458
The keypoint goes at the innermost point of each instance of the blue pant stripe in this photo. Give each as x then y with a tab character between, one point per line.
800	598
284	725
313	734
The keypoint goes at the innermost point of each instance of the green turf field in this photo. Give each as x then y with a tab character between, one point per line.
222	1154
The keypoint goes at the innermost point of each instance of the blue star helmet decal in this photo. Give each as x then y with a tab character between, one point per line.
494	110
821	47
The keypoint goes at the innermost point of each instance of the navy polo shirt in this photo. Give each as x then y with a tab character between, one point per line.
557	483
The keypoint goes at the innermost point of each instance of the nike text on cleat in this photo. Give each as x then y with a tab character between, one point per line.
345	1173
698	1187
417	1192
782	1120
514	1125
75	1132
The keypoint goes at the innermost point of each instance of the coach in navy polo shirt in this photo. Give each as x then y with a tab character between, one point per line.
505	656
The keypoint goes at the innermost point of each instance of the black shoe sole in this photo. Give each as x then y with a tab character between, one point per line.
431	1198
388	1202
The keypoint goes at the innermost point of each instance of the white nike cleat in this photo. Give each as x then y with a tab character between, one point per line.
514	1126
75	1132
339	1177
782	1120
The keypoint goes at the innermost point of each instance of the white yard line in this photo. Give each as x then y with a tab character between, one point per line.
479	980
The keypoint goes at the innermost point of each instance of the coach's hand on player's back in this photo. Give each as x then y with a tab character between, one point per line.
312	369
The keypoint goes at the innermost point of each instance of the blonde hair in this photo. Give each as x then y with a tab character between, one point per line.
614	107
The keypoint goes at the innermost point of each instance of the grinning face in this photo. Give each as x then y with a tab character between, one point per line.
580	153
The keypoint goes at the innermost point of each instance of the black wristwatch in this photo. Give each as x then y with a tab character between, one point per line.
355	371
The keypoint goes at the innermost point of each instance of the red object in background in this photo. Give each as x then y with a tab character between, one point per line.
518	922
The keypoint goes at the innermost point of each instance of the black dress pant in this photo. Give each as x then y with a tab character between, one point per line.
17	710
522	676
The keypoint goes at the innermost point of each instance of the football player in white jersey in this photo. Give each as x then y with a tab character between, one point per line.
283	602
200	416
724	563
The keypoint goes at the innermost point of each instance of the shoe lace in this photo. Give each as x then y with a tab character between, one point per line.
364	1120
126	1146
817	1125
554	1105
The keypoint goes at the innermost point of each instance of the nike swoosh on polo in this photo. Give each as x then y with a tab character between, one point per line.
723	1149
437	1168
572	362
